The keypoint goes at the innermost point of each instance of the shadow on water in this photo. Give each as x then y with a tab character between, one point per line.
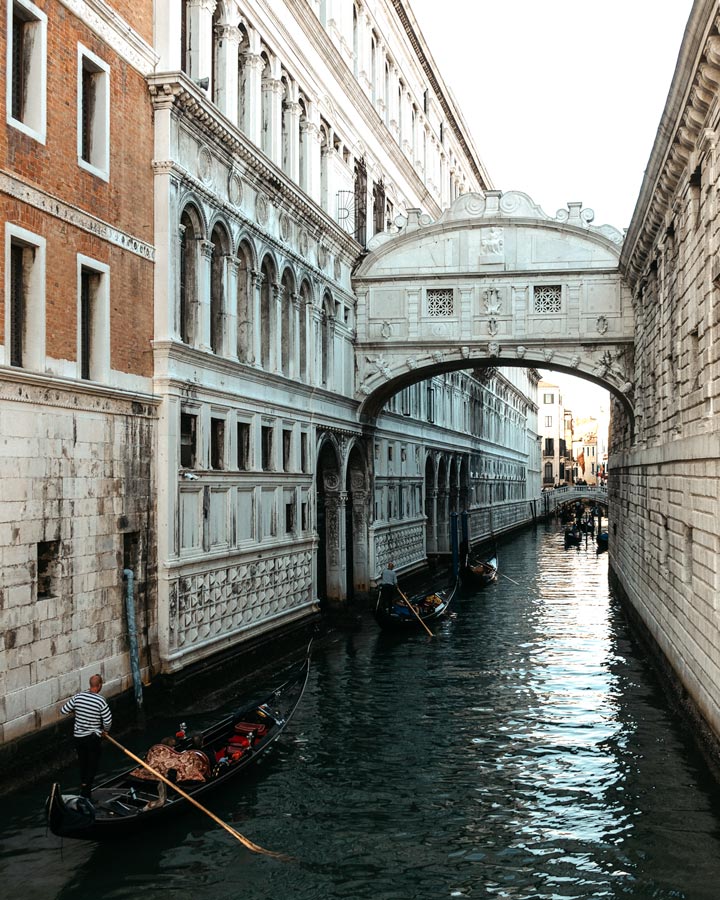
526	751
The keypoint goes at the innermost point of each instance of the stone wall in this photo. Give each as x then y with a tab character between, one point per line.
77	508
663	487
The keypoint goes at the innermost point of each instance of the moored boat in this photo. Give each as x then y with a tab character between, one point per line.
478	573
134	799
394	612
573	537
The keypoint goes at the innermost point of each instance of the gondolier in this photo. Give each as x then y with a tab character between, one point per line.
92	717
388	581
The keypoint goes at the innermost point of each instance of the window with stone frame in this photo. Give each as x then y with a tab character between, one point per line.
93	113
24	298
547	298
26	73
440	302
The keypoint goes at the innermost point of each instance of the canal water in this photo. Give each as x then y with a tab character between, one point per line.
526	751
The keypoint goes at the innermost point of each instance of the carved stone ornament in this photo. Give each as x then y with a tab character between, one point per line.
520	352
548	354
411	362
262	212
235	189
465	352
337	269
493	244
575	361
438	356
494	348
386	330
204	165
304	242
322	255
284	226
383	366
601	324
492	327
493	303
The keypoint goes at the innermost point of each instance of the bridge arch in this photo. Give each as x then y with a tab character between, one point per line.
494	281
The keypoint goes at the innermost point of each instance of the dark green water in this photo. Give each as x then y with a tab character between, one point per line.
524	752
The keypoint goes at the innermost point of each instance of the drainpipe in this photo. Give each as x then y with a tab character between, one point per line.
132	635
454	543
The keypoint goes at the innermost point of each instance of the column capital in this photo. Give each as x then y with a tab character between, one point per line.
206	248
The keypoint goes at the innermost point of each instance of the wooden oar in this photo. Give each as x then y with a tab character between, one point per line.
414	611
236	834
510	579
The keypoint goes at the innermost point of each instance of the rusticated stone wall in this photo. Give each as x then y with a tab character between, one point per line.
664	495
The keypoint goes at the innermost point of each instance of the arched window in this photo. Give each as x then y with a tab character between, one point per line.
288	332
386	94
328	329
305	301
267	313
244	306
303	149
286	124
266	115
373	67
356	42
214	67
190	234
324	151
217	289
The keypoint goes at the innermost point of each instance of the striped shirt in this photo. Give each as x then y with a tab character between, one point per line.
92	714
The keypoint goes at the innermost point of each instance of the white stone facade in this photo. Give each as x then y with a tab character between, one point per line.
665	503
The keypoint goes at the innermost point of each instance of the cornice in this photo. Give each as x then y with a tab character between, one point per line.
23	386
695	81
115	31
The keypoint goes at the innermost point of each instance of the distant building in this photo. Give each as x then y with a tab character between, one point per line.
555	427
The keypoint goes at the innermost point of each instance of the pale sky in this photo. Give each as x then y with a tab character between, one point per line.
562	97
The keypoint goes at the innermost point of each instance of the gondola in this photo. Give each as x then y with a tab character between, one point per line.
478	574
392	613
128	802
602	541
573	537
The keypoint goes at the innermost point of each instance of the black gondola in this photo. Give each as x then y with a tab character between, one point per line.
478	574
602	541
125	803
573	537
392	613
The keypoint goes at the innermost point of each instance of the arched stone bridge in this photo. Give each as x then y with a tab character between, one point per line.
493	282
554	499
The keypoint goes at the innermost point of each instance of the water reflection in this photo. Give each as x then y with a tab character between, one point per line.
524	752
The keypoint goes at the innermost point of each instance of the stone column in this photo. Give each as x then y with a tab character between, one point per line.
251	122
315	347
364	46
291	134
200	28
432	513
335	544
276	326
360	519
168	39
232	268
226	90
272	91
255	339
295	347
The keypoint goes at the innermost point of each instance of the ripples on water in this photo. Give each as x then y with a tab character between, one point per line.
524	752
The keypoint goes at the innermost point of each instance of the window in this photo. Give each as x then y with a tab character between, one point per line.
188	440
439	302
304	519
48	569
289	512
93	344
548	421
93	114
217	443
24	298
287	449
547	298
549	398
27	68
549	446
303	452
243	446
267	448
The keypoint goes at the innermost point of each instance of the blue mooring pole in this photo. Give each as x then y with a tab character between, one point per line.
129	576
454	543
465	528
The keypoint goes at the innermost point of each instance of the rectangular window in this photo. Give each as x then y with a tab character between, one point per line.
26	73
217	443
547	298
287	449
188	440
430	403
24	298
439	303
548	421
93	113
243	446
93	344
48	569
549	446
303	452
266	438
549	398
304	520
289	512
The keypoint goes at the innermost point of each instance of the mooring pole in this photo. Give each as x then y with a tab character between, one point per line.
454	543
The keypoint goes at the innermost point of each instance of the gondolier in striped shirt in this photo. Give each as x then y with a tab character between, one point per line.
92	717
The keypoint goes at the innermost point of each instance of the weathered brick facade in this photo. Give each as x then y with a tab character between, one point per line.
76	447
